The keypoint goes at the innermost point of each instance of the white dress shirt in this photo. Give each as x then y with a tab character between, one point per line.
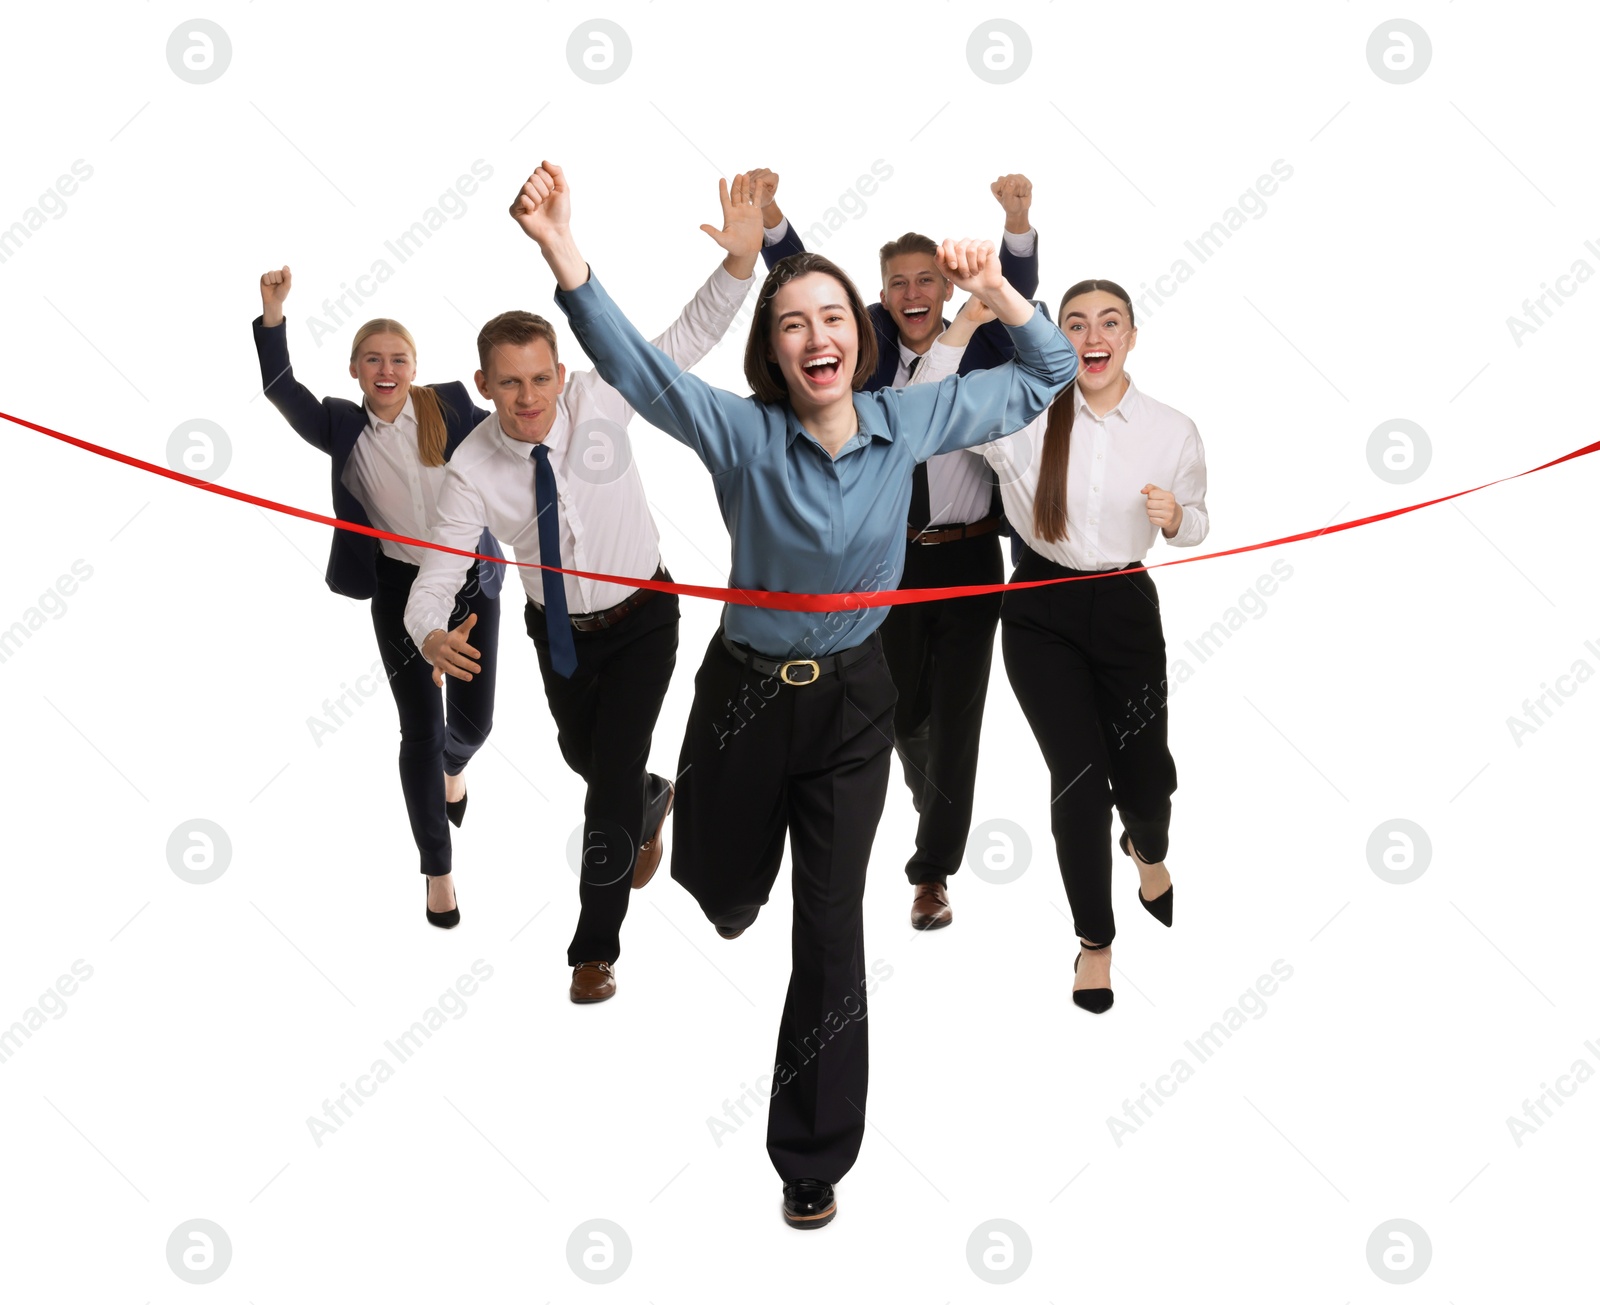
604	518
960	488
386	475
1139	442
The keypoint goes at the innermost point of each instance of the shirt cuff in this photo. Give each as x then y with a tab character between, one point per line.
772	235
730	286
587	303
1022	245
940	361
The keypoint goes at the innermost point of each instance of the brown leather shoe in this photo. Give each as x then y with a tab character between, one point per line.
930	908
650	850
593	981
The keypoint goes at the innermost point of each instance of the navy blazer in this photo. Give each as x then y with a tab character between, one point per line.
990	345
334	426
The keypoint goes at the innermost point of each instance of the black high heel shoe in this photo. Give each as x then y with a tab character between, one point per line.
456	811
1097	1001
444	919
1160	907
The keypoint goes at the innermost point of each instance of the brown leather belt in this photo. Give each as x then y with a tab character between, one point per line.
952	533
606	619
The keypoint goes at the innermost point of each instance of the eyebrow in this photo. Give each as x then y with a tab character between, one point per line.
1115	312
797	312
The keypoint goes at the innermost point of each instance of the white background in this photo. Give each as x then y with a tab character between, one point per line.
177	682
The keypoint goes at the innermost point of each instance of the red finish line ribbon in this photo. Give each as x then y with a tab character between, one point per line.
757	597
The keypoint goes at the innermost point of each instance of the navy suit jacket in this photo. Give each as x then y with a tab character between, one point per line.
990	345
334	426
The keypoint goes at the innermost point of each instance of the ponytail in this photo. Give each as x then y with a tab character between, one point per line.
1050	499
431	430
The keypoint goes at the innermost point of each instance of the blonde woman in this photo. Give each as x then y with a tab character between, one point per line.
388	456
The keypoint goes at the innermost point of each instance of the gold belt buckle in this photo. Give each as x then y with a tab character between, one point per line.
816	671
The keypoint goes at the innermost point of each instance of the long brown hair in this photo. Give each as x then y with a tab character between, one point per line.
1050	500
766	377
432	433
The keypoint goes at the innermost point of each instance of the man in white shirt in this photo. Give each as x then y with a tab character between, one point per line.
552	472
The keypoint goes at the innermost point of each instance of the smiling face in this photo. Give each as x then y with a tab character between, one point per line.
523	382
813	340
384	367
1097	325
915	291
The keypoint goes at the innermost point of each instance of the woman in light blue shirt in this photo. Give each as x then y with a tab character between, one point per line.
791	729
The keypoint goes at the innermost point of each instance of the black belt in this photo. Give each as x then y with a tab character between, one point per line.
949	534
813	667
606	619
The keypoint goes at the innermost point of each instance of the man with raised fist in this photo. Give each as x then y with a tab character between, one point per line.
552	473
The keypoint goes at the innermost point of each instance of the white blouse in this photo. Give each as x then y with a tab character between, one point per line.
1139	442
385	473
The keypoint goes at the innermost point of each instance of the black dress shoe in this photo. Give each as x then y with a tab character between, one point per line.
1097	1001
731	931
457	811
1160	907
808	1203
444	919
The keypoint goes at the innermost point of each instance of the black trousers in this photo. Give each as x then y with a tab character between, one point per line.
605	715
1088	663
763	760
939	655
439	733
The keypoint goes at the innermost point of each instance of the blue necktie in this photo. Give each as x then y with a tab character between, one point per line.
557	622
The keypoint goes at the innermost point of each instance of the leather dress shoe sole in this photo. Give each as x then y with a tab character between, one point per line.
811	1207
644	868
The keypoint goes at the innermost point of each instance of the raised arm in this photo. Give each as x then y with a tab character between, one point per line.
1019	264
779	238
961	411
707	317
722	428
308	415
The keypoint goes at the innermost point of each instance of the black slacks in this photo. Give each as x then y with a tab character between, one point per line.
939	655
1088	663
439	733
605	715
763	760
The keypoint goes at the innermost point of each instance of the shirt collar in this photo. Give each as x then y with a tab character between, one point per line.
554	439
1123	408
870	424
406	414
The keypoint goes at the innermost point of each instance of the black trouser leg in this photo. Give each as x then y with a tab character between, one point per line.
1130	672
423	734
1087	661
469	704
605	714
763	758
940	655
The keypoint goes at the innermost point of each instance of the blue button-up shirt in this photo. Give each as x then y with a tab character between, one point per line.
801	521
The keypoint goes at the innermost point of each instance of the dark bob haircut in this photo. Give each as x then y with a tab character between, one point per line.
765	377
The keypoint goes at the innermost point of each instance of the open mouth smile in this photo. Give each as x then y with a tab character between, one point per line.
822	369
